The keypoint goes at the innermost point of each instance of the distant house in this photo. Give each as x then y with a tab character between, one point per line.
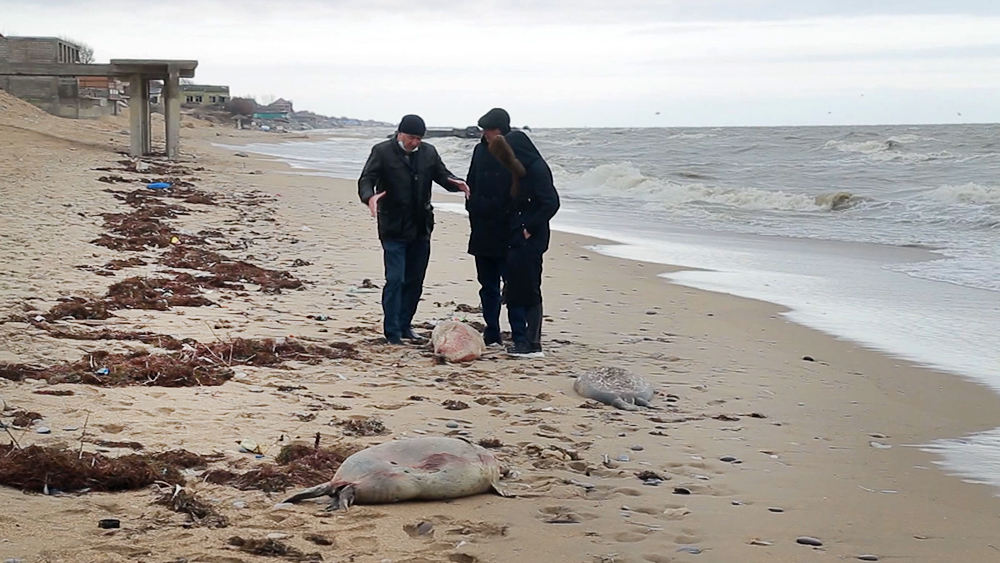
204	95
278	109
83	97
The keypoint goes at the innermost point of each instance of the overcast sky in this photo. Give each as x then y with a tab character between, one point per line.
567	63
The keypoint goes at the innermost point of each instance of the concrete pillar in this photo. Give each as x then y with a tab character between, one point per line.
172	110
138	109
147	137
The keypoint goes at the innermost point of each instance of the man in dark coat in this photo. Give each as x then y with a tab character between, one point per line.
396	185
534	201
489	206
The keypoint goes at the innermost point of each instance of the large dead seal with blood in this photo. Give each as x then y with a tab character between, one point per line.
426	468
615	386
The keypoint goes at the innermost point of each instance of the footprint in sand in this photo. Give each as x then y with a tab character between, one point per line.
564	515
629	537
688	537
363	542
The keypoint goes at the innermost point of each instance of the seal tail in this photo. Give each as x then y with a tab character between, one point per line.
326	489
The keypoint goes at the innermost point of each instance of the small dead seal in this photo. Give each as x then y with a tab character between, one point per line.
615	386
457	342
428	468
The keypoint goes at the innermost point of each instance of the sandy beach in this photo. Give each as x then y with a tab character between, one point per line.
755	446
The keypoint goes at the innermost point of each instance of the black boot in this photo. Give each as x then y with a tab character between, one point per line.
533	347
533	316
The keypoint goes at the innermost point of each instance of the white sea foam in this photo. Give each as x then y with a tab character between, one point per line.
969	193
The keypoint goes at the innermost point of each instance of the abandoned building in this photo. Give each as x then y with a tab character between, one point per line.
84	97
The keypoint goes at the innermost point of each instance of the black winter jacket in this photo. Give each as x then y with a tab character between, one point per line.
489	203
537	200
405	211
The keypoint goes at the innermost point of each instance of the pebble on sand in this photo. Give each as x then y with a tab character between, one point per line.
868	557
807	540
43	430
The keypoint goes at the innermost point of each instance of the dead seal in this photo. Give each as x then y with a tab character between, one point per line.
457	342
615	386
428	468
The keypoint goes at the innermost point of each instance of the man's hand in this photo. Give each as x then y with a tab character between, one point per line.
461	185
373	203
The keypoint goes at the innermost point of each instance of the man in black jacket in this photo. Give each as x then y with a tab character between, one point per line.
534	201
396	186
489	206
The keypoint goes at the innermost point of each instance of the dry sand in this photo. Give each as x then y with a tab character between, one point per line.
809	436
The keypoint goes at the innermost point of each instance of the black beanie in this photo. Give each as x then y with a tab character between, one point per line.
412	125
496	118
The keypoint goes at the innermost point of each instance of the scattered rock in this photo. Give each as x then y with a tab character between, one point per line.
688	549
775	509
727	458
808	358
277	536
242	155
868	557
451	424
43	430
109	523
650	312
637	448
682	491
808	540
318	539
417	530
453	405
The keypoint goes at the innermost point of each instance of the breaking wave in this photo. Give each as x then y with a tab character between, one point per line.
624	179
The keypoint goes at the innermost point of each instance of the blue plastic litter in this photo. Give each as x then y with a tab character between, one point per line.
103	371
158	185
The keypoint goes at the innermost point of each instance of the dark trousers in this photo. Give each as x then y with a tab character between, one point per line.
523	288
490	271
405	266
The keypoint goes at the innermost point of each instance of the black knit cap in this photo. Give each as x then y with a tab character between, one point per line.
412	125
496	118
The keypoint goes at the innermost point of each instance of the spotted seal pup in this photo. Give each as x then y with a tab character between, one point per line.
426	468
615	386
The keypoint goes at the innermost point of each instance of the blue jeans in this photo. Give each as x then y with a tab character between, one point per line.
490	270
405	266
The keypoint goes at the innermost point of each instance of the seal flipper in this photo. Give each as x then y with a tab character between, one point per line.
642	402
620	403
500	491
326	489
341	498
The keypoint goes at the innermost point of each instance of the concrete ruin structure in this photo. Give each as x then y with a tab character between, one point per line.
34	69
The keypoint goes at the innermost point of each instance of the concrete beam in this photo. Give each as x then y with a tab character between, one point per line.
161	67
50	69
157	70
